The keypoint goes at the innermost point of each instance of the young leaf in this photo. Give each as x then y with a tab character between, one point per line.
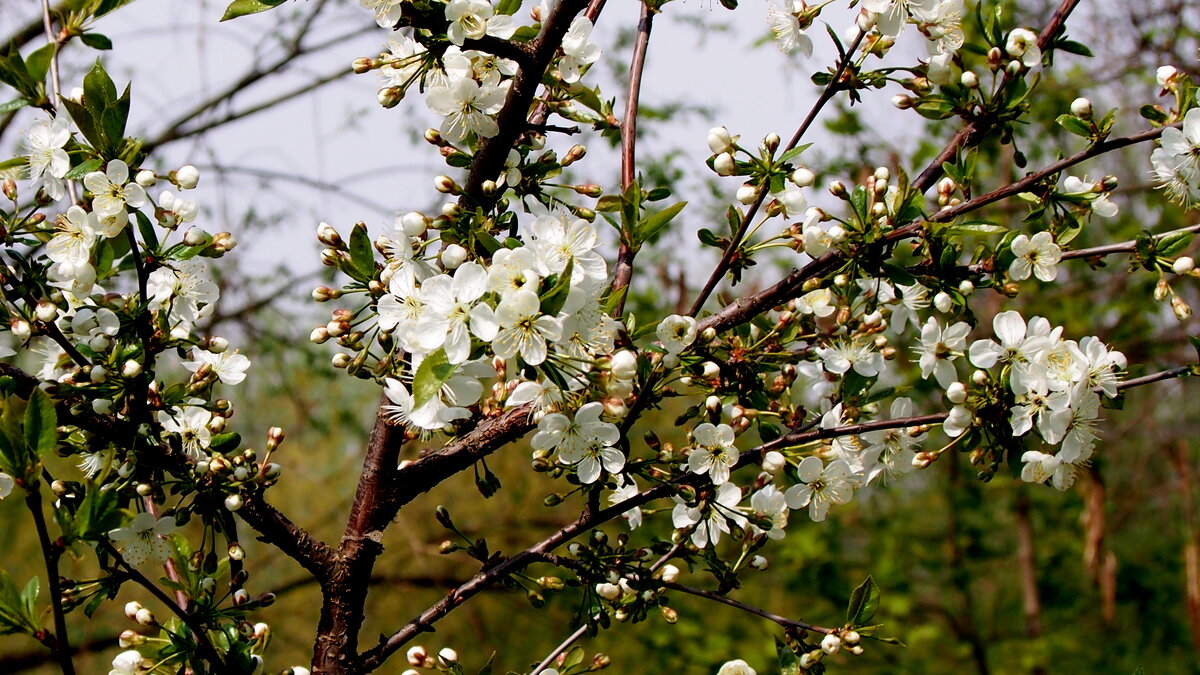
789	663
362	255
553	300
863	603
38	63
434	372
41	423
1074	125
653	224
96	41
239	8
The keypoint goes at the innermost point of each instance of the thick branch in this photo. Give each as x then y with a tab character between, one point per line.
60	645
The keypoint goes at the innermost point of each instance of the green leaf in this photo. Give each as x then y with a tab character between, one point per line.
863	603
1173	244
553	299
96	41
434	372
13	617
14	163
1073	47
508	7
935	108
362	254
29	595
78	172
789	663
974	227
14	73
239	8
41	423
38	63
1074	125
98	514
609	203
149	237
15	104
225	442
652	225
1153	113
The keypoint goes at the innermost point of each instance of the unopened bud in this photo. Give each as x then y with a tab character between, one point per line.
417	656
1082	108
1161	290
574	154
453	256
747	193
445	185
1182	265
719	140
969	79
838	189
902	101
434	137
724	164
448	655
943	302
10	189
1182	309
187	177
771	142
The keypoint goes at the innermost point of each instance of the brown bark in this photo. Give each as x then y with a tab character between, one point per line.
1191	545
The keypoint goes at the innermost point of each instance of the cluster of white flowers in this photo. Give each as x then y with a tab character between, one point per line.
535	305
1055	387
467	87
1177	160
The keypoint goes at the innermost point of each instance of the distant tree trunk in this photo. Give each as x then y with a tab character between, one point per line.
1191	547
1098	559
964	623
1027	567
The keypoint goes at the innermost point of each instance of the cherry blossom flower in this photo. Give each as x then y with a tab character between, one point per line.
821	486
473	19
468	107
523	329
75	238
575	435
144	539
387	12
230	367
711	517
676	333
557	238
736	667
770	505
626	489
890	452
190	423
578	49
7	483
941	23
939	347
112	191
785	26
1040	467
48	159
127	663
452	312
714	452
1022	44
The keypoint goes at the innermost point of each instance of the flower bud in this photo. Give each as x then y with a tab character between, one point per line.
144	617
608	591
47	311
1182	265
943	302
417	656
902	101
131	609
966	287
831	643
759	562
362	65
10	189
1161	289
838	189
670	573
20	329
979	377
341	360
223	242
187	177
453	256
319	335
446	185
241	597
747	193
719	140
969	79
956	392
233	502
724	164
771	142
574	154
1082	108
146	178
448	655
1166	76
669	615
803	177
1182	309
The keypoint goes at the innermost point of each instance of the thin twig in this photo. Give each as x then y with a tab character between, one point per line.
51	551
48	26
731	251
751	609
627	251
